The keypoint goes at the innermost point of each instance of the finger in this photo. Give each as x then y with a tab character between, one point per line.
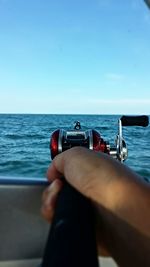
51	190
53	170
92	174
74	165
53	187
62	163
49	199
65	164
47	213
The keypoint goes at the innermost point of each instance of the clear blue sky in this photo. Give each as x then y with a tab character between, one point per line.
74	56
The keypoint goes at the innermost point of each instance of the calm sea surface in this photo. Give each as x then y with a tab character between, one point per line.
24	141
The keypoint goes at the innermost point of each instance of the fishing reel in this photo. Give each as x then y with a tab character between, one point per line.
62	140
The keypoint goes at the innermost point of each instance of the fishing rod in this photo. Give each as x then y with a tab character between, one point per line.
72	238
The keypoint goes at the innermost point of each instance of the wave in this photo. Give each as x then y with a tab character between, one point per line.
26	136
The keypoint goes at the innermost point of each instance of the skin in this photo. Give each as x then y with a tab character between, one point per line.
120	197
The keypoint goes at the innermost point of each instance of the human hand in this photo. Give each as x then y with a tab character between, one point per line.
82	164
81	169
114	190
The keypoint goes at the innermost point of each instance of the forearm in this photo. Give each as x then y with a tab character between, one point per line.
124	226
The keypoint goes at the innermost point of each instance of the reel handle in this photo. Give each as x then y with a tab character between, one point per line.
71	241
135	121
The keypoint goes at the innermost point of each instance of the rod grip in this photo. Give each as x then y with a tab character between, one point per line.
135	120
71	241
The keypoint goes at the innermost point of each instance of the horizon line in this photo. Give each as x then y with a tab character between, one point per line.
69	114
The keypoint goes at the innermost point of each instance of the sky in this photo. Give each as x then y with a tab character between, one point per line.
74	57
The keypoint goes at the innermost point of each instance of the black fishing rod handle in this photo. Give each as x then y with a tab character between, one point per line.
135	121
71	241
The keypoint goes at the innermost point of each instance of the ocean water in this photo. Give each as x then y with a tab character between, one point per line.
24	141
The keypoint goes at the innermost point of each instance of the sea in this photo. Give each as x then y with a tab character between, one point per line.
25	140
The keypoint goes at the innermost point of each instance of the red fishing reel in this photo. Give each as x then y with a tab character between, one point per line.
62	140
